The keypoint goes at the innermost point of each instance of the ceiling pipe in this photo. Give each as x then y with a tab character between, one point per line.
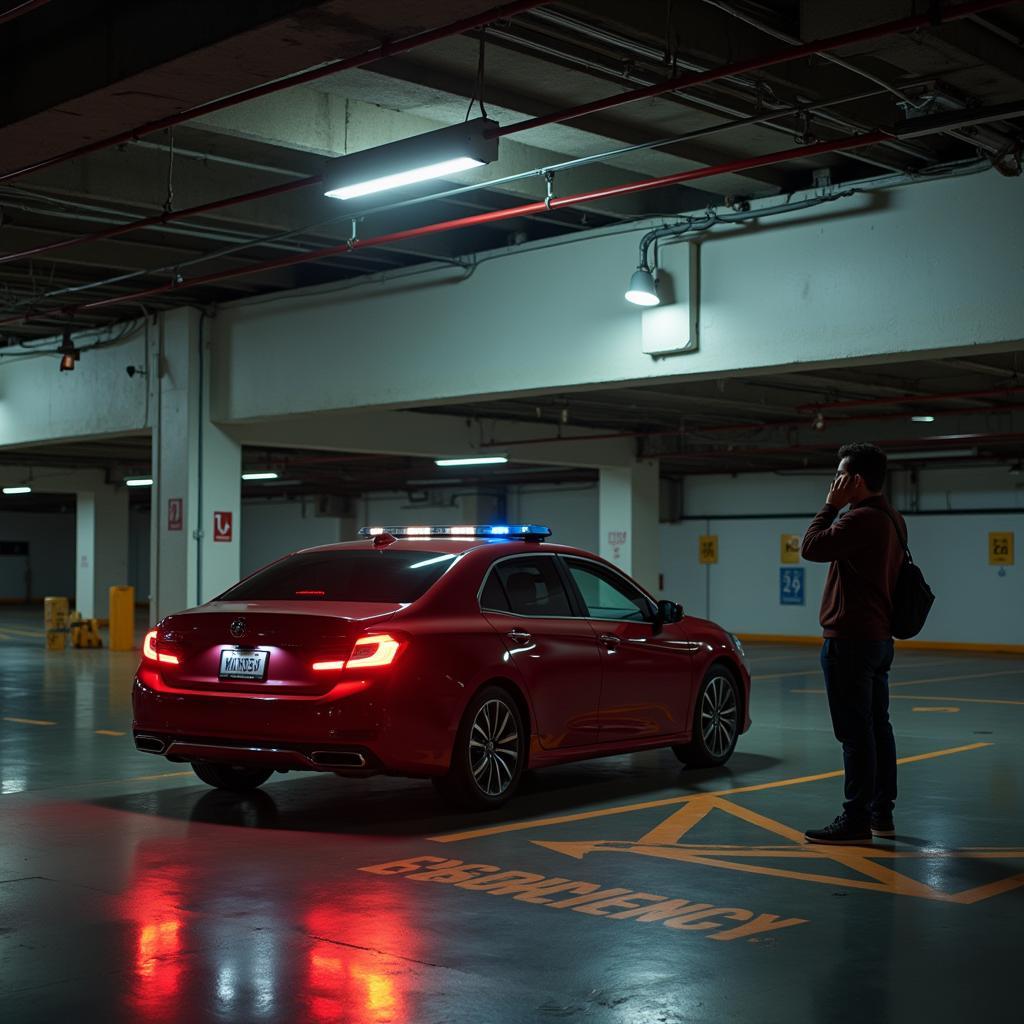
858	403
697	431
19	9
924	444
938	16
680	82
388	49
475	220
167	217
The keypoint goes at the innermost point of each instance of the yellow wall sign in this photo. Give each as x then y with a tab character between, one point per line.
1000	549
790	550
707	549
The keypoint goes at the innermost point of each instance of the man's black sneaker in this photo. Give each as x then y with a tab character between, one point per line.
881	825
841	832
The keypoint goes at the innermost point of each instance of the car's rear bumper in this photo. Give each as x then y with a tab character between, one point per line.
391	730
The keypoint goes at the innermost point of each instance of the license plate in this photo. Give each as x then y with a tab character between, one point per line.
236	664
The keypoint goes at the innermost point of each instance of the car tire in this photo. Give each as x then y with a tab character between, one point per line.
489	753
716	721
238	778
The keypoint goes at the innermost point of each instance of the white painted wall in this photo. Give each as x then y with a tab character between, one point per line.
272	529
975	602
51	539
892	273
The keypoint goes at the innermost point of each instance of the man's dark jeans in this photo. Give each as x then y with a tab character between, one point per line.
857	682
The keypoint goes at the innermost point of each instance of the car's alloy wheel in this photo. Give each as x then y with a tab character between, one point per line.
490	750
239	778
716	723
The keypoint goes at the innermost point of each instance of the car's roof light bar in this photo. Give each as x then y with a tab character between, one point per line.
521	532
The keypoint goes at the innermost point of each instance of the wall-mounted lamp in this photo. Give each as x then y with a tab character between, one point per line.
138	481
18	490
642	290
408	161
69	355
268	475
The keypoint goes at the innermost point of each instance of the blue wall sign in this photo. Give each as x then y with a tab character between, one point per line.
791	585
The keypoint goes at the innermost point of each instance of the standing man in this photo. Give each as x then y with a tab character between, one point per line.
865	551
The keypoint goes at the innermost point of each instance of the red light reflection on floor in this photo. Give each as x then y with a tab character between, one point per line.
152	904
356	985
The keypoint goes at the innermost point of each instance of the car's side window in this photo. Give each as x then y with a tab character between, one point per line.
533	587
608	596
492	596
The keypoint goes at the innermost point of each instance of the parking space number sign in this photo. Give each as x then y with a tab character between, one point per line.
1000	549
707	549
791	585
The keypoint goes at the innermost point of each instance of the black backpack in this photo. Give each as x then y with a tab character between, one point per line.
912	598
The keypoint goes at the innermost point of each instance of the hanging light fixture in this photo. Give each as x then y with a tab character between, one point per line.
408	161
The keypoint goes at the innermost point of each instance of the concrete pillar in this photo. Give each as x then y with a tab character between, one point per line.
101	547
195	546
628	520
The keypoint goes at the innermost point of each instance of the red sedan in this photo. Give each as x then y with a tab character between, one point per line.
461	654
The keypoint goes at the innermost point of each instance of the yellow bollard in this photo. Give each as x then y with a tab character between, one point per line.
55	619
122	618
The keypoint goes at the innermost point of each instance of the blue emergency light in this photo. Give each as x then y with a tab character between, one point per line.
504	532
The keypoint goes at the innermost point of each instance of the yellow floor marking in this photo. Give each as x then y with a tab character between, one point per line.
35	634
948	679
921	696
108	732
948	711
816	671
29	721
959	700
149	778
663	841
518	826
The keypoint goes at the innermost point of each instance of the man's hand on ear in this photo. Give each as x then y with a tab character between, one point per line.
842	490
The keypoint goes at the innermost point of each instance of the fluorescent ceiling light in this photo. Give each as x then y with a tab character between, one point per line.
260	476
138	481
420	158
642	290
922	419
473	460
17	490
934	453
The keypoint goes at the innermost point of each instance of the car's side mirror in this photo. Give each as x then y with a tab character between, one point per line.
668	611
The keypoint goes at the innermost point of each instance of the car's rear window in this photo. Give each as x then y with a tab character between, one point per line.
389	577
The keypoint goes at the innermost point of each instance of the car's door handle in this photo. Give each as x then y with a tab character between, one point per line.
610	639
519	635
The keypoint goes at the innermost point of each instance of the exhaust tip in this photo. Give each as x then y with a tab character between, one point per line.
150	744
338	758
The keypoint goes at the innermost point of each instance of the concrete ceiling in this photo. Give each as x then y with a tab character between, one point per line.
124	68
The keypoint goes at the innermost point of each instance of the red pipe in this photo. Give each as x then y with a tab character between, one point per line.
688	81
19	9
901	399
331	68
925	444
165	217
474	220
779	57
764	425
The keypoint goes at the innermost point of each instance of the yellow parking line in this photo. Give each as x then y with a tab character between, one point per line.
517	826
816	671
108	732
959	700
29	721
949	679
945	710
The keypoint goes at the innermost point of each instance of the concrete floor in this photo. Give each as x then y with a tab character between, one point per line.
131	892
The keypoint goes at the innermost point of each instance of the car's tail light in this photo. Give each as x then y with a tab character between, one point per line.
374	651
149	650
